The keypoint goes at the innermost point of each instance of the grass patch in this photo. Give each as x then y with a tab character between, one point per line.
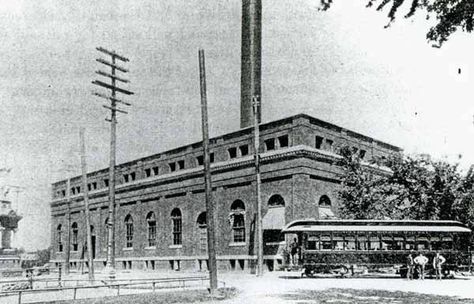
368	296
186	296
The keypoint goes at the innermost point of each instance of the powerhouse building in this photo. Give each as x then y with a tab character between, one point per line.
160	202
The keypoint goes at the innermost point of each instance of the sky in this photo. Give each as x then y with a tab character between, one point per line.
341	66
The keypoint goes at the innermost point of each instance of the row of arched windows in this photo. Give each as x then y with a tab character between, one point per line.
236	218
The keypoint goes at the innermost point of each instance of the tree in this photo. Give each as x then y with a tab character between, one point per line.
416	188
451	15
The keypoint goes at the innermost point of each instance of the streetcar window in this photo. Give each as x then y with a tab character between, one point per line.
326	242
410	243
361	242
374	243
387	242
338	242
313	243
423	243
349	243
398	243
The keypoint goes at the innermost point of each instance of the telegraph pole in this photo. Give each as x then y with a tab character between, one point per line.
86	206
114	89
256	107
211	236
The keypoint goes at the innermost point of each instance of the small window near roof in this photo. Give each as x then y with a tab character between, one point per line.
133	176
155	170
270	144
211	157
181	164
148	172
244	150
172	167
362	154
329	144
125	178
319	142
106	182
232	152
283	141
200	160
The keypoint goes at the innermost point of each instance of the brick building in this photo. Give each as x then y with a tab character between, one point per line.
160	216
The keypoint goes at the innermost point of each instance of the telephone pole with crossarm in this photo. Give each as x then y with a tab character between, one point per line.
114	101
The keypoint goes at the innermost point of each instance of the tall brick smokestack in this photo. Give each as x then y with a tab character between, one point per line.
251	60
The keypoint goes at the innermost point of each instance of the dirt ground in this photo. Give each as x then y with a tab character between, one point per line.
290	287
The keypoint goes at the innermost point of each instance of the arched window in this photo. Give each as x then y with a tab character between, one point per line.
177	226
129	231
324	201
75	233
60	237
151	224
202	220
202	230
237	218
276	201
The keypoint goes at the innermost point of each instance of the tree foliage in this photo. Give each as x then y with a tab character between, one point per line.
450	15
403	187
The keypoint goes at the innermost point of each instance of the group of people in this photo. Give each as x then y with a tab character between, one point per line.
419	262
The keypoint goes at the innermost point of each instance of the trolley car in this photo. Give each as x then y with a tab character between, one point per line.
340	246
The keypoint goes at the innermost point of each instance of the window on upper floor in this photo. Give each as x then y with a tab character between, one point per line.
362	154
319	142
329	144
133	176
181	164
172	167
244	150
211	157
232	152
94	186
200	160
125	178
63	193
148	172
270	144
155	170
73	190
283	141
106	182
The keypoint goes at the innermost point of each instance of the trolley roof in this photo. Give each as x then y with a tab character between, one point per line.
375	226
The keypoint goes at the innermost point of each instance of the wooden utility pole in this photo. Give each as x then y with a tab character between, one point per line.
211	236
86	206
68	228
256	106
114	89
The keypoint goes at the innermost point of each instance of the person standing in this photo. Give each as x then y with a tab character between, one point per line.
294	251
438	262
410	266
420	262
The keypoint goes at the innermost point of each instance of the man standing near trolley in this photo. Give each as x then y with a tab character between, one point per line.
420	262
410	266
438	261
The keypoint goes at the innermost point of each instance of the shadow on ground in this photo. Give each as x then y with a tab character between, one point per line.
369	296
